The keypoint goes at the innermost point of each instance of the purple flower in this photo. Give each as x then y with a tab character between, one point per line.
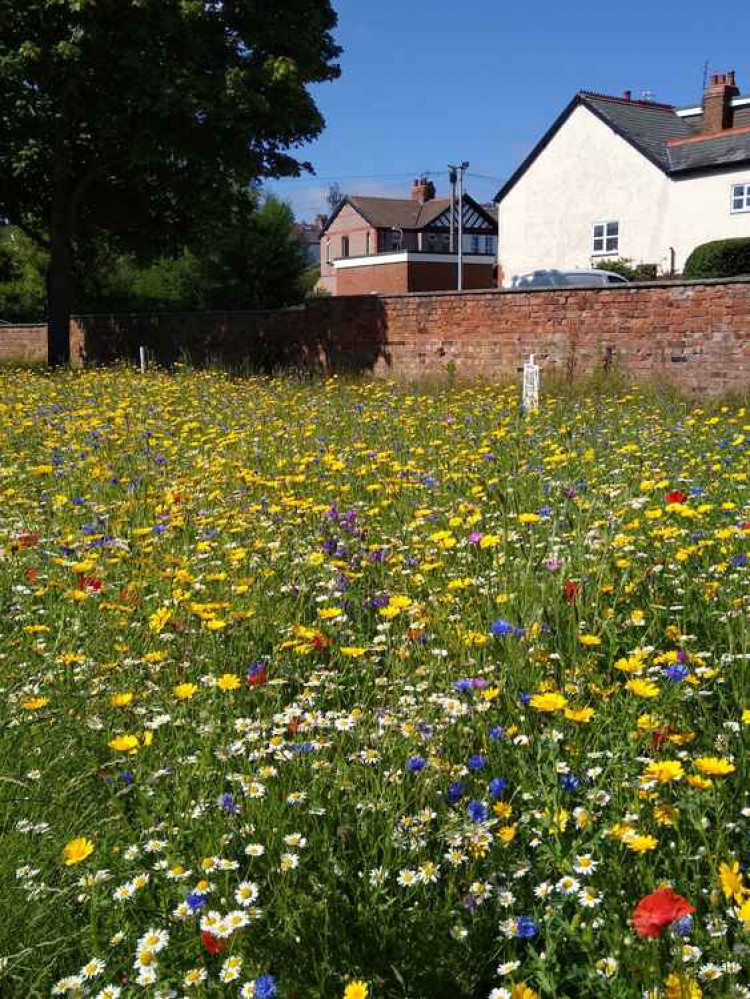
552	564
477	762
227	804
497	732
475	537
463	685
676	672
416	763
570	783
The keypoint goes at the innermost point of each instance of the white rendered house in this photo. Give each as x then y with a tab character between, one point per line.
616	178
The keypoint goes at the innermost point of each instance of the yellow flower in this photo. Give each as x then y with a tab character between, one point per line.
642	688
647	723
589	640
35	703
528	518
356	990
352	651
666	815
506	834
327	613
228	681
184	691
490	541
159	619
714	766
746	716
702	783
679	987
121	700
77	850
640	844
581	715
216	624
743	914
548	702
732	881
124	744
522	991
663	771
502	809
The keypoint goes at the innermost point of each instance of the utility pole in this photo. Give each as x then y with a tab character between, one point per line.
460	170
453	178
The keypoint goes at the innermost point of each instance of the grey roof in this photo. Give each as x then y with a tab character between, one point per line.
403	213
646	125
699	154
655	130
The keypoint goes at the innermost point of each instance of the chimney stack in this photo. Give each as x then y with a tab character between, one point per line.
627	95
422	190
718	114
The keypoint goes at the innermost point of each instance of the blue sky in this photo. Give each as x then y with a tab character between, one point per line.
428	83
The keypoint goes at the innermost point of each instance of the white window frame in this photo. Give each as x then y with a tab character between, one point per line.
604	252
744	186
489	244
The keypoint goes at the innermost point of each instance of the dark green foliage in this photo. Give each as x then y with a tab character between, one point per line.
721	258
629	270
137	121
22	267
250	259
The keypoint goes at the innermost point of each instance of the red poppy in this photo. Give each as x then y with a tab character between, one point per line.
257	675
320	642
31	575
293	726
28	539
658	910
212	944
676	496
89	583
571	590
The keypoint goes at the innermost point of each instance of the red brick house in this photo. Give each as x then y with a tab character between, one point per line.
372	245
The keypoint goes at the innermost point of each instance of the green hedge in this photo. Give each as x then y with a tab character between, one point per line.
721	258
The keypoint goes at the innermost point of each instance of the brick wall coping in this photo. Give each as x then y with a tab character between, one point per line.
488	292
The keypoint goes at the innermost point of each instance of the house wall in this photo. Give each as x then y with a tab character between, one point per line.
586	174
589	174
699	211
349	223
411	274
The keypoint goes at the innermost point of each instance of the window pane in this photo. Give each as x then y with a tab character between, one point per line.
598	231
613	228
598	245
612	244
738	204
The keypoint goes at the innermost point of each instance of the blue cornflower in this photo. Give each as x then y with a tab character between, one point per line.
455	792
265	987
227	803
127	776
497	732
569	782
545	511
526	927
195	901
463	685
676	672
501	627
739	561
478	811
497	786
525	698
683	926
416	763
477	762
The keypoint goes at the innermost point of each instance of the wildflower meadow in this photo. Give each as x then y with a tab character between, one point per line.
344	689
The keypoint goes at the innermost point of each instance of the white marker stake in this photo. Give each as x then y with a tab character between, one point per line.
530	399
142	352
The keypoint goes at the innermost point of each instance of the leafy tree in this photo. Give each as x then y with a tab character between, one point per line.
22	269
248	259
137	120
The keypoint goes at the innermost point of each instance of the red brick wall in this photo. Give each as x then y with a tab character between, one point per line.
384	279
416	275
23	343
695	335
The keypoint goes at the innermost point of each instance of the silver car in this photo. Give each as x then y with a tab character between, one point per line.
577	279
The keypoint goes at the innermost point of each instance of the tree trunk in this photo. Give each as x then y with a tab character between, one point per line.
59	298
60	291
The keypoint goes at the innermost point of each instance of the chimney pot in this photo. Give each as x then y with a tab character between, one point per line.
718	113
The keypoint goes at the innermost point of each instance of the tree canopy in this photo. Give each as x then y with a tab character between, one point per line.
139	120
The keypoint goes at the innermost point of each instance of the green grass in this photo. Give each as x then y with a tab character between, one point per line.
331	610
